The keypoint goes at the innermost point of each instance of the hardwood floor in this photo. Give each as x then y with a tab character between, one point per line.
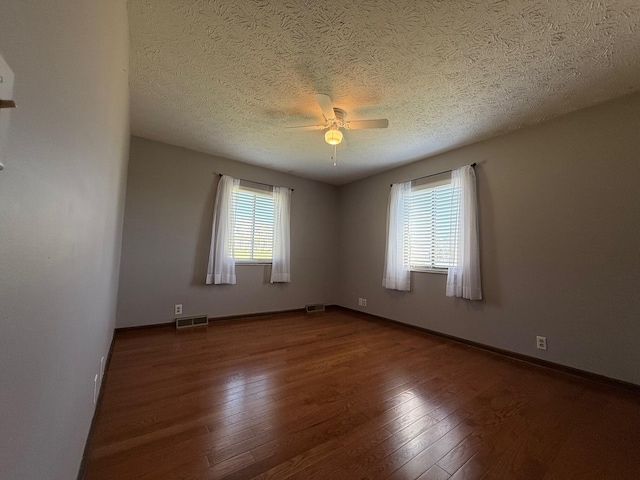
337	395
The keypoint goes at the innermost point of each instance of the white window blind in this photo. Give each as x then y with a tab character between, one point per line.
253	225
430	236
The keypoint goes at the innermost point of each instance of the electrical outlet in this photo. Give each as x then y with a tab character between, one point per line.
95	389
177	309
364	302
541	343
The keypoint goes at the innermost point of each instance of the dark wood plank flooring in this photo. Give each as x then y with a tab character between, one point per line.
338	395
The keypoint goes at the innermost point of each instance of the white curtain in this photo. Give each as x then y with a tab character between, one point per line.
280	267
464	279
222	265
396	273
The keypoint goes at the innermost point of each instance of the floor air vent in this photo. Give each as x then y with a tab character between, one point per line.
318	307
197	321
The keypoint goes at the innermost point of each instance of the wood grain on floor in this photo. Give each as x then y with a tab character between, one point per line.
335	395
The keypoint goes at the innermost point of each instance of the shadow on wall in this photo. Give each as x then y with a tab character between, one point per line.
488	242
266	275
204	236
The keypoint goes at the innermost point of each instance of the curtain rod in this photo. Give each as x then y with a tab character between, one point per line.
434	174
259	183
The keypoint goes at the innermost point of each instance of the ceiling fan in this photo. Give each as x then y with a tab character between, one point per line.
334	121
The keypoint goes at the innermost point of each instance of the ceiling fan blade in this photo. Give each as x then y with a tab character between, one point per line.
360	124
307	127
325	104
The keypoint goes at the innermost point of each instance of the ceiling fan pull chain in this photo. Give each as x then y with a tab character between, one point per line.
335	155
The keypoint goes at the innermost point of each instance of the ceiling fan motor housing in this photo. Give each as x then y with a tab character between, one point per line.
340	114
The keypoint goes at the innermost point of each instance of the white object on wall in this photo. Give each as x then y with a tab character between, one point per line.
281	266
463	280
6	93
397	275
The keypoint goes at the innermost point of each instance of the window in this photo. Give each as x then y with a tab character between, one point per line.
249	225
429	237
253	234
434	228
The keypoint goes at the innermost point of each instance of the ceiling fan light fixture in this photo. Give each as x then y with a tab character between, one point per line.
333	136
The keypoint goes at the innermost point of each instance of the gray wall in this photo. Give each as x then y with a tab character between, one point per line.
167	232
560	236
61	204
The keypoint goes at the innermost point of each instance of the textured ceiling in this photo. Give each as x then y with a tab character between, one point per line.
227	76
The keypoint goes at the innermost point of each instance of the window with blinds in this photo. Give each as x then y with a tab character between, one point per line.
254	225
430	236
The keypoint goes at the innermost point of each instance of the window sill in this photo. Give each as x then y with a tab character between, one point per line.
439	271
253	262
